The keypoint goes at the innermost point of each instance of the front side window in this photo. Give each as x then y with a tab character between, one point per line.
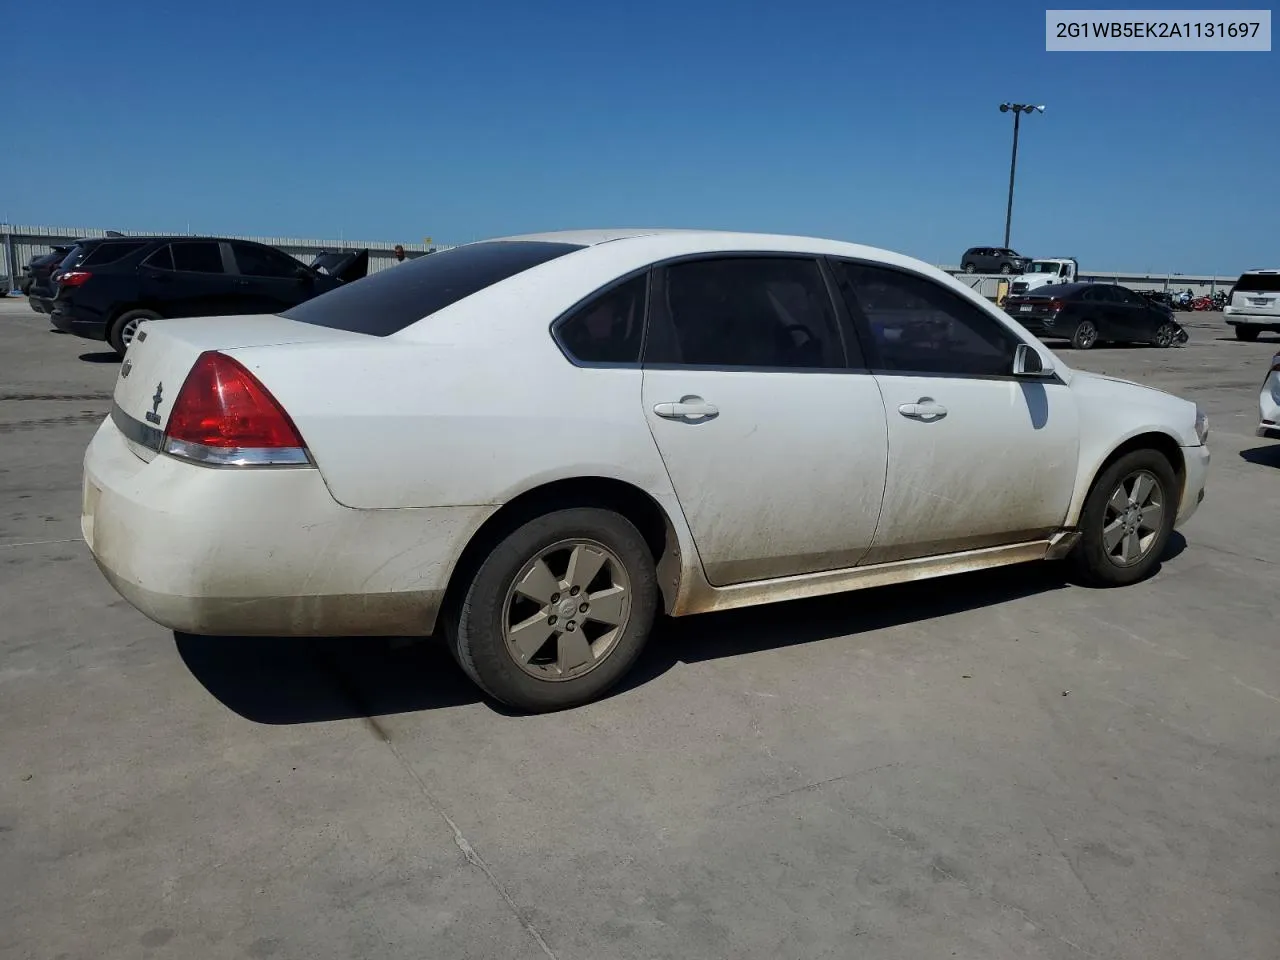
608	329
918	326
197	256
253	260
388	301
760	312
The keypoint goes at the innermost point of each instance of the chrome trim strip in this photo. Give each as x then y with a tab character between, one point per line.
153	438
140	433
207	456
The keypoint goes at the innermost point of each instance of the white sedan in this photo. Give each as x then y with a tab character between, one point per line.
533	446
1269	402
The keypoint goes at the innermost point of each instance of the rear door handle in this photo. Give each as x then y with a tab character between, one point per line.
926	409
687	408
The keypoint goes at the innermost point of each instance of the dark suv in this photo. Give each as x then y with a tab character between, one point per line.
105	288
993	260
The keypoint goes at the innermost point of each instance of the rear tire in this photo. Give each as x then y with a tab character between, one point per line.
1085	335
1127	519
1248	334
532	637
125	326
968	268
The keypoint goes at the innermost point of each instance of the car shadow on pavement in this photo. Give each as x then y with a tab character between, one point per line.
298	680
107	356
1265	456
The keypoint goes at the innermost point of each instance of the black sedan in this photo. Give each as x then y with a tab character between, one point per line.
1090	313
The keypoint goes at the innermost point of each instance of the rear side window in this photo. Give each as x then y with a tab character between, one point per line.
1258	283
609	327
390	300
162	259
198	256
105	253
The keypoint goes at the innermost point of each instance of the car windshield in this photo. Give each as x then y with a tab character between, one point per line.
392	299
1042	266
1258	283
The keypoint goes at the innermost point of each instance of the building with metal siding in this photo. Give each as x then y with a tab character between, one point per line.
20	244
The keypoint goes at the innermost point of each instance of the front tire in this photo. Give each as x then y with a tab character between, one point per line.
969	268
1246	333
1166	335
1127	519
125	326
1006	269
559	611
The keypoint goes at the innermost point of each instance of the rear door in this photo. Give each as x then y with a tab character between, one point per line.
775	447
187	278
977	457
268	280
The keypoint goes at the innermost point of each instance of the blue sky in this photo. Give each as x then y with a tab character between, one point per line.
400	120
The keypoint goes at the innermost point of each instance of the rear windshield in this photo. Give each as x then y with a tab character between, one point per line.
1258	283
392	299
101	254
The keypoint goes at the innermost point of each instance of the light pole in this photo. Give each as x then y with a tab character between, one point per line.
1018	110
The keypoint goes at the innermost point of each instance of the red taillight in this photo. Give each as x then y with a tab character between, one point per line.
1055	305
72	278
230	417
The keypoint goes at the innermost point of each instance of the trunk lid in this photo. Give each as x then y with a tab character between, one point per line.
163	353
345	267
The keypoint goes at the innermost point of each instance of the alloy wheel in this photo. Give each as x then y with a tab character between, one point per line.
566	610
1133	518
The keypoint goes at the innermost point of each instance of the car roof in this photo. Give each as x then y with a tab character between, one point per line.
659	243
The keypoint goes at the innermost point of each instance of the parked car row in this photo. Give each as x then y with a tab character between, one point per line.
104	288
1087	314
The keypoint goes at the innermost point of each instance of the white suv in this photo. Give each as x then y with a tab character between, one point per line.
1255	304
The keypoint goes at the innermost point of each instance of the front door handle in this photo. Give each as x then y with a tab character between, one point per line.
687	408
926	409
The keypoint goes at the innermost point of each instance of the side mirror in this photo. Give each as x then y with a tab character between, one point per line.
1028	363
304	273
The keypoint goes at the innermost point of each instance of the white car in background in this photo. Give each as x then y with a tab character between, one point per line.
1255	304
1269	402
534	445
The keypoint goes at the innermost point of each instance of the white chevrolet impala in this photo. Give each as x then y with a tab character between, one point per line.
533	446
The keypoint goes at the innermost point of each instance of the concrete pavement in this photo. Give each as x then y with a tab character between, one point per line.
994	766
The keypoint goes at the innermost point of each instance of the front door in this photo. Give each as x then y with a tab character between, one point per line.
775	448
977	458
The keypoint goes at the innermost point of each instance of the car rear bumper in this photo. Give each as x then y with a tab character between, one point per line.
1196	463
1270	320
262	552
66	320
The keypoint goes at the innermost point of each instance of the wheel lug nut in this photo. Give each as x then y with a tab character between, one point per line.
569	626
555	598
583	608
552	620
573	592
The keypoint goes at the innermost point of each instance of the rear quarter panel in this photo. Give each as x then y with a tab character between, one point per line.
394	423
